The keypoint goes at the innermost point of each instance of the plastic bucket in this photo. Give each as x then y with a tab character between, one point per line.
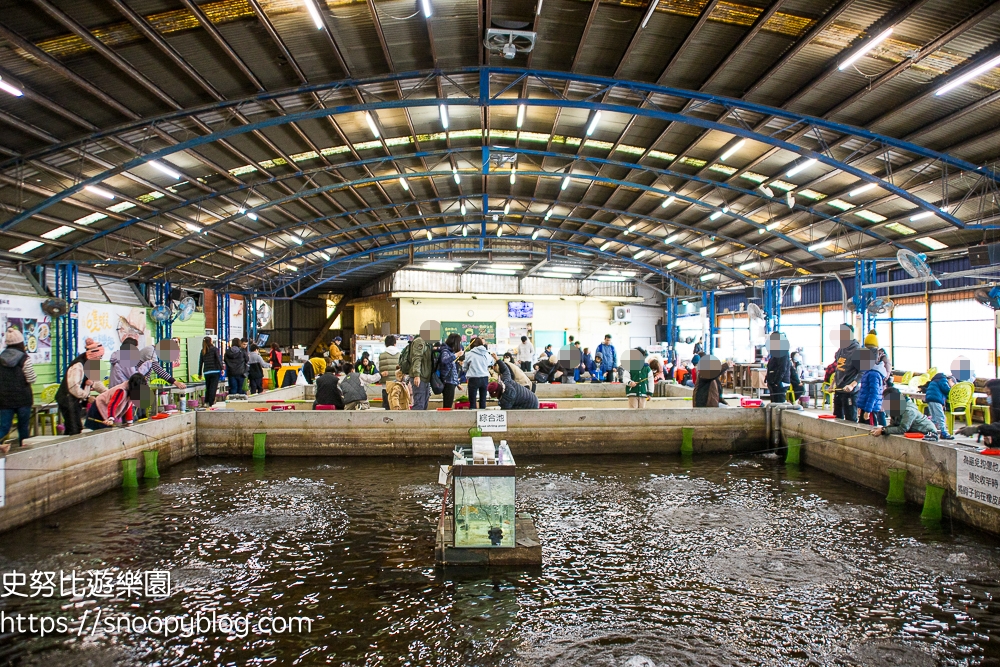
258	445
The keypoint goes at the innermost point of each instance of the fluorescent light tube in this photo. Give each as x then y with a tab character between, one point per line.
668	201
790	200
463	207
506	208
708	276
402	181
251	215
509	267
520	107
715	216
325	256
865	48
748	266
500	272
297	239
499	231
968	76
708	252
314	13
772	225
548	214
513	175
931	243
430	237
454	174
593	123
672	238
565	183
159	166
292	267
534	234
674	264
371	124
99	191
255	251
439	266
16	92
800	166
864	188
921	216
539	12
732	149
443	109
649	13
465	230
426	5
194	228
605	245
640	254
819	246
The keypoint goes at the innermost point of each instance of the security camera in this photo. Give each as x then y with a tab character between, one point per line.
509	51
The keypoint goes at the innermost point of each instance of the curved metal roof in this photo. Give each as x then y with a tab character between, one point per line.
283	146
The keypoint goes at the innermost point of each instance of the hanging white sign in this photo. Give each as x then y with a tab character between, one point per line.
491	420
977	478
109	325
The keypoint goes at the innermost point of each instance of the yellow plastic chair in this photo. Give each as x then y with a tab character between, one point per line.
48	412
827	392
931	372
790	395
907	376
985	408
960	404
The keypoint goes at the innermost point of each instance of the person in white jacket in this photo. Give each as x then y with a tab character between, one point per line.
525	354
477	371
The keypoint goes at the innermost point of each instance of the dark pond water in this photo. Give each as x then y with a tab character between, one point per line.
648	562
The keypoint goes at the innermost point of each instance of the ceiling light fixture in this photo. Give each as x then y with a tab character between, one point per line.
766	190
534	234
99	191
649	13
430	237
732	149
499	231
640	254
708	252
819	246
402	181
506	207
463	207
708	276
968	76
719	213
371	124
314	13
439	266
548	214
864	188
16	92
520	107
748	266
194	228
790	200
865	48
931	243
605	245
593	123
500	272
672	238
513	175
539	12
800	166
426	5
159	166
465	230
255	251
565	183
297	239
325	256
292	267
443	109
674	264
668	201
454	174
921	216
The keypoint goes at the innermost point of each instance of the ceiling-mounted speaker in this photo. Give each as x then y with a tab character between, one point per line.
176	294
984	255
754	293
661	333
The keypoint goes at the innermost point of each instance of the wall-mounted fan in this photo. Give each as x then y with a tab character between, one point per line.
880	305
755	312
264	314
185	309
161	314
989	297
55	307
915	265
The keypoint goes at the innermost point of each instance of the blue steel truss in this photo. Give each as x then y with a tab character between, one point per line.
612	95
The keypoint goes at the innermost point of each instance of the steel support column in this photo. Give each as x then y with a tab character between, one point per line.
251	311
164	329
64	329
222	320
708	301
772	305
671	322
865	279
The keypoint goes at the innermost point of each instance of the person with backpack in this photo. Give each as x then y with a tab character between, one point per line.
82	377
416	361
237	360
255	371
17	374
210	368
477	370
353	387
388	362
447	369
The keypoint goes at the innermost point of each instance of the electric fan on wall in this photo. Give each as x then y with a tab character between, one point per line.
755	312
880	305
185	309
989	297
264	314
55	307
915	265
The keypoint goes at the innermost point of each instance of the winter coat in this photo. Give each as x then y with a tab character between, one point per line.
237	361
209	363
75	383
872	385
336	354
318	364
937	389
420	359
308	372
525	352
328	391
779	369
388	361
910	420
477	362
587	363
609	357
256	367
115	403
352	388
641	378
708	393
16	376
276	359
398	394
514	396
518	375
447	369
848	366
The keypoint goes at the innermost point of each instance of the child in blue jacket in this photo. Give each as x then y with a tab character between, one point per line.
937	391
873	376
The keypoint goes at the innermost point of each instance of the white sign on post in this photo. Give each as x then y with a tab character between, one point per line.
491	420
977	478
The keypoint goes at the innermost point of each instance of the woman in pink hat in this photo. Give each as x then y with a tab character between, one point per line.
82	377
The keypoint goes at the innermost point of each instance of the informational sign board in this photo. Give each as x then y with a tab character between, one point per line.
978	478
469	330
109	325
235	318
491	420
25	314
520	310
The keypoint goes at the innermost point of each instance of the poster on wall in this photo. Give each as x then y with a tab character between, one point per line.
235	318
25	314
109	325
469	330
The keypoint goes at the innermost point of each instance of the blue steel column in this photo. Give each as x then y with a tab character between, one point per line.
864	275
222	319
772	305
65	328
251	311
486	196
164	330
671	321
708	301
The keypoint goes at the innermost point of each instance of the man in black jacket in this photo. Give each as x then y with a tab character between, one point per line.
327	389
237	362
845	379
778	367
509	394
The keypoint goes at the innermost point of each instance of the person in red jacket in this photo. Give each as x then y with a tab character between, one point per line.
116	404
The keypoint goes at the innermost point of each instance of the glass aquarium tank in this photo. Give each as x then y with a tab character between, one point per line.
483	493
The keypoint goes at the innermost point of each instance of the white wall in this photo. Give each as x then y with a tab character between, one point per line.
588	320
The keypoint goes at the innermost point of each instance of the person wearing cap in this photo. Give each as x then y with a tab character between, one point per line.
509	394
336	354
82	377
16	377
847	375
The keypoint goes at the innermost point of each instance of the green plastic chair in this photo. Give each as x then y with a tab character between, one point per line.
960	404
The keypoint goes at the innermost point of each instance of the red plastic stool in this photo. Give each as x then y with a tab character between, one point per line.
279	408
547	406
325	407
